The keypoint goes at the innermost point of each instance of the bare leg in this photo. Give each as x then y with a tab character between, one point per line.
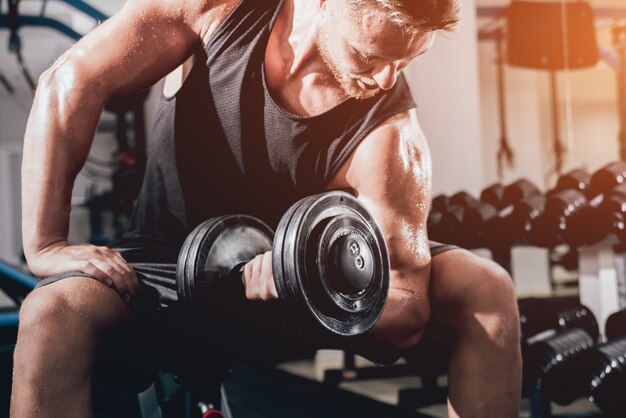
59	328
476	299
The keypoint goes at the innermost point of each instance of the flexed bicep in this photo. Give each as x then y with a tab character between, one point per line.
391	173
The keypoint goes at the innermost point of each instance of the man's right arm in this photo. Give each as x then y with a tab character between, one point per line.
129	52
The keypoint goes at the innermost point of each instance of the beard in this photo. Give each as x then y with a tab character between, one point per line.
349	83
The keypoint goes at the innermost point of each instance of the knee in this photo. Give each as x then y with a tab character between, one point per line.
42	308
492	305
44	318
56	307
474	296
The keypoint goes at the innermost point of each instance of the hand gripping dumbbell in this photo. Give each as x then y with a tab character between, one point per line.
329	260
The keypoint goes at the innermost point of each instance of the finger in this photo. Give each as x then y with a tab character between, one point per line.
129	279
256	279
247	272
118	281
269	277
125	270
90	269
122	260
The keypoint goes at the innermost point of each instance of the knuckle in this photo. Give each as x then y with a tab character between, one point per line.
86	266
109	269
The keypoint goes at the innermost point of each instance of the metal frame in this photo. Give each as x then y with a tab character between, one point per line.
47	22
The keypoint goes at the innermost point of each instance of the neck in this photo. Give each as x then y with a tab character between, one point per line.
297	77
296	33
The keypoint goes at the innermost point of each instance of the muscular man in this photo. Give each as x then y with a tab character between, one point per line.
280	99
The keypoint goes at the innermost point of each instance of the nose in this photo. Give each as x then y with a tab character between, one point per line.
386	76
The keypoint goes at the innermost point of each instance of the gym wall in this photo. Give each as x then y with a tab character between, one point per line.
590	131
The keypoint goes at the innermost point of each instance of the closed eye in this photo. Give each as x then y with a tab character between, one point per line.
363	58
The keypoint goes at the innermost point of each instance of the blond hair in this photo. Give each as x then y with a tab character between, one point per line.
418	15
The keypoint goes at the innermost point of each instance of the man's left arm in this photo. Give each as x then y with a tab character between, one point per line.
390	171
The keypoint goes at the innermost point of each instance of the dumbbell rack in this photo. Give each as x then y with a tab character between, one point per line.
602	279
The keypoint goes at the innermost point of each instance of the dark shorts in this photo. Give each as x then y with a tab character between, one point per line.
164	336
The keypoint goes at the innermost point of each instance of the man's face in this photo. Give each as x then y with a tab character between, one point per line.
365	51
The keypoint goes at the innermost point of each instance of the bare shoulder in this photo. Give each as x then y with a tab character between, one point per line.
199	15
393	159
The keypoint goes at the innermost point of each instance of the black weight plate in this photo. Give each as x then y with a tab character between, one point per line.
214	249
277	254
297	261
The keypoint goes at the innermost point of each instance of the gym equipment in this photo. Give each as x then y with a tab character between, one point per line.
473	226
555	26
608	218
554	225
494	195
330	261
577	179
563	361
615	326
588	222
555	333
541	314
514	226
440	203
16	283
575	368
565	364
607	177
463	199
608	383
548	350
463	220
518	190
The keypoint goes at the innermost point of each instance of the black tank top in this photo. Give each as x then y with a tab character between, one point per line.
223	145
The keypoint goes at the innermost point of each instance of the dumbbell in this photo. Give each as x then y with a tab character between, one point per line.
606	178
605	219
329	260
516	224
481	223
518	190
446	216
599	373
608	381
513	225
461	218
581	221
615	325
552	331
562	362
555	225
494	195
541	314
577	179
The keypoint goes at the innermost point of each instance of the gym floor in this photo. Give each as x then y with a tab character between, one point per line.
386	391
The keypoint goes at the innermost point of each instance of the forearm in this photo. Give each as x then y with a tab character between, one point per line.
406	312
56	144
